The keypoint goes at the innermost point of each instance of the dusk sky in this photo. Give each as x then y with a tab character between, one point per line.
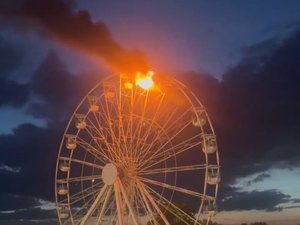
241	58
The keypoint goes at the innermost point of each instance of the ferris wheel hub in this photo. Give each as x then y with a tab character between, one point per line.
109	174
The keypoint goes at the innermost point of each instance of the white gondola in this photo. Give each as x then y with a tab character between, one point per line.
213	177
71	142
199	117
210	144
62	190
210	210
80	121
109	90
63	213
64	167
94	103
128	85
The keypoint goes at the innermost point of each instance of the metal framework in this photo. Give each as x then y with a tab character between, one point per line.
129	155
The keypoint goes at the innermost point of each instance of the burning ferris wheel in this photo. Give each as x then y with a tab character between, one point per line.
134	152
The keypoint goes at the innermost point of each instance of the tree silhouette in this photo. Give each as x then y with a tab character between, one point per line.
259	223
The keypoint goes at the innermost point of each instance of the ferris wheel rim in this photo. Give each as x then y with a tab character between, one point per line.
85	97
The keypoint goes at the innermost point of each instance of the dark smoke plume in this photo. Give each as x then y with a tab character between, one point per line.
58	20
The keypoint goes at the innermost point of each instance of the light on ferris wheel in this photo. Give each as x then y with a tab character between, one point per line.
144	81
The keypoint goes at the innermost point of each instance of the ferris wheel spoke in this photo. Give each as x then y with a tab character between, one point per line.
77	216
160	133
119	203
85	163
177	189
107	113
79	179
77	196
128	204
84	194
173	169
178	213
122	139
92	150
153	119
165	154
137	132
103	208
86	203
93	130
138	202
93	206
147	206
173	209
99	136
168	141
152	202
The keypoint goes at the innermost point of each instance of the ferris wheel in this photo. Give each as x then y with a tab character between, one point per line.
134	152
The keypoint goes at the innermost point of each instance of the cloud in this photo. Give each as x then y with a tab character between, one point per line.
57	90
34	150
10	57
13	221
12	93
259	178
259	125
9	169
9	202
255	200
255	111
29	213
58	20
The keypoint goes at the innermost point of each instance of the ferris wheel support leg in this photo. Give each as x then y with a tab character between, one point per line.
123	191
154	204
119	202
96	202
104	206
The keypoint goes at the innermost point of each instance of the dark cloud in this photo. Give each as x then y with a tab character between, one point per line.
297	200
57	89
34	150
255	111
29	213
11	92
10	57
57	19
259	178
261	98
13	221
255	200
257	121
15	202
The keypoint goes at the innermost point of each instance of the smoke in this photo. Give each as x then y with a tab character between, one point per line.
57	19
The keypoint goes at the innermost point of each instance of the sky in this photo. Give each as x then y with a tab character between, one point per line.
240	57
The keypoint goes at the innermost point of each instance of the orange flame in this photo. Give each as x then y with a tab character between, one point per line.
144	81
